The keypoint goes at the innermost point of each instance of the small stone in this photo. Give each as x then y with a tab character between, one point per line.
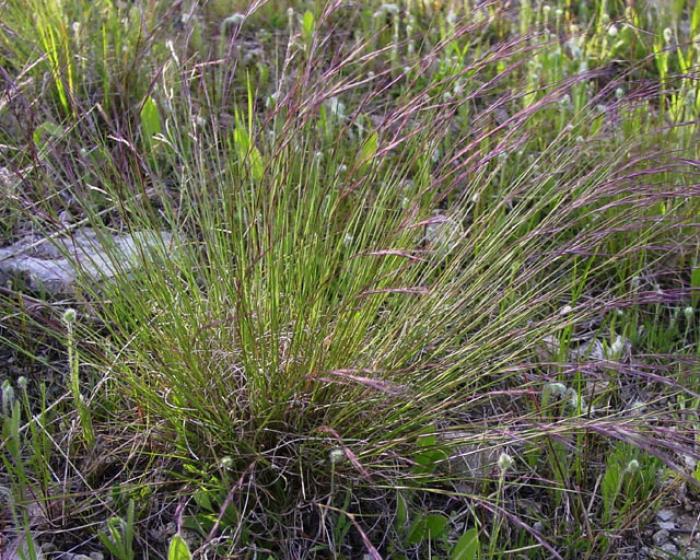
97	555
667	525
665	515
669	548
660	537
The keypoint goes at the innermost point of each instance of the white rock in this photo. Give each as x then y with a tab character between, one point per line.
660	537
54	266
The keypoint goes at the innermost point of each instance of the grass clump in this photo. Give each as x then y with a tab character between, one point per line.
395	310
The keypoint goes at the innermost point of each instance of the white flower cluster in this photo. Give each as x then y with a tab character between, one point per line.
575	400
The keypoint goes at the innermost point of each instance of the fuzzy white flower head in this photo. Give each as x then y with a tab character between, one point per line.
632	466
612	30
451	18
558	389
505	462
336	456
342	168
8	396
559	12
616	347
688	312
226	462
546	8
336	107
638	407
620	93
668	35
22	382
575	400
392	9
566	310
69	316
233	20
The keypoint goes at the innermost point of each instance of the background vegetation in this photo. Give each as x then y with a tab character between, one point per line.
414	279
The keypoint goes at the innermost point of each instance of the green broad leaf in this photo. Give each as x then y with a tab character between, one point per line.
178	549
150	119
428	527
695	19
368	149
308	22
46	131
248	153
401	512
695	278
467	547
437	525
430	454
202	499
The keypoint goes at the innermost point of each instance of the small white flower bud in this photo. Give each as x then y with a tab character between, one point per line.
558	389
336	456
233	20
668	35
616	347
8	396
505	462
